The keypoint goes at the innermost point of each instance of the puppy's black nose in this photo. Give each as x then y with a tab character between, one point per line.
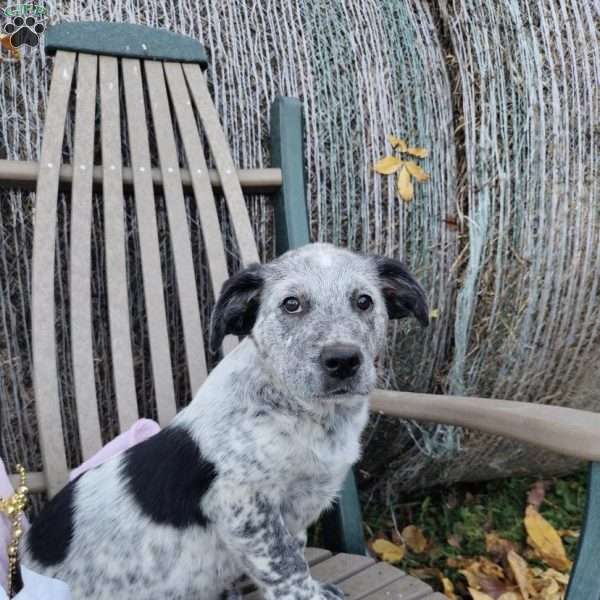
341	361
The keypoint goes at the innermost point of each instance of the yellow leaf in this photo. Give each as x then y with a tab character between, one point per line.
397	143
518	566
472	577
510	596
418	152
388	551
545	540
404	185
572	533
387	165
556	575
449	589
414	539
477	595
416	171
490	569
497	546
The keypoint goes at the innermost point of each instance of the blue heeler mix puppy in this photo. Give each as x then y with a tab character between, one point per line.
230	486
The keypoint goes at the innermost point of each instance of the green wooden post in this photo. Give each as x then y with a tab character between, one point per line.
287	152
585	576
343	524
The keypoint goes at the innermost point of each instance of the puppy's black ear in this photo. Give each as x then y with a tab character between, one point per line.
402	292
237	306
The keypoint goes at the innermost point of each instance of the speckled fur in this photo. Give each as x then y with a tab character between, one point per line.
280	439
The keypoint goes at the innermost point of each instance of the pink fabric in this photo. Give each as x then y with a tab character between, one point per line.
138	432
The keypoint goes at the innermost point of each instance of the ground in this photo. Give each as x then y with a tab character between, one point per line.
507	539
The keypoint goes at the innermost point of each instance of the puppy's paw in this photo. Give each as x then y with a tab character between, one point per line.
329	591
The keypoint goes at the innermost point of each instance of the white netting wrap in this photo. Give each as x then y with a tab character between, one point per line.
504	95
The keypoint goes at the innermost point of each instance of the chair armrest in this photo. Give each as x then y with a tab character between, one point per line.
564	430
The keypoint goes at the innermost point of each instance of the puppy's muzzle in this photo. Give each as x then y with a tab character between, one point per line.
340	361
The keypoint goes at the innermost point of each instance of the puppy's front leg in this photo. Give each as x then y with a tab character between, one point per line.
274	558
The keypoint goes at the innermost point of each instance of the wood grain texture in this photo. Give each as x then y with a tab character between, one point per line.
43	310
564	430
81	262
114	243
137	126
178	225
222	156
199	174
22	174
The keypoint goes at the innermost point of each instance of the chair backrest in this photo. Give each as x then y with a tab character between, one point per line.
111	73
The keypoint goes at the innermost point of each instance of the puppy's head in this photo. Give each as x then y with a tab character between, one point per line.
318	316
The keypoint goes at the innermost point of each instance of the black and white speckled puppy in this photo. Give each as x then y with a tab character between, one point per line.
229	487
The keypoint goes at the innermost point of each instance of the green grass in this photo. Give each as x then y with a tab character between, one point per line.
456	518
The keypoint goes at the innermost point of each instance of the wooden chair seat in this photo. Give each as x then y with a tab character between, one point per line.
360	577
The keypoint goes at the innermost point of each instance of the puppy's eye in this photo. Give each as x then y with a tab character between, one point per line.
364	302
292	305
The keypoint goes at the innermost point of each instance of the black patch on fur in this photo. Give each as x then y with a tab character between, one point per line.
51	533
168	476
402	292
237	308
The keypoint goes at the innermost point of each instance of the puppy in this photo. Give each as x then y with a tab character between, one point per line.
230	486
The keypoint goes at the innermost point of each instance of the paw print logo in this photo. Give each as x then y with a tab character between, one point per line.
24	31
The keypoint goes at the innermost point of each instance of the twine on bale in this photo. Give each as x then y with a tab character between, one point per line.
504	236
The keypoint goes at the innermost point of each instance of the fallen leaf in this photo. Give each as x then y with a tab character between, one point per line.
489	568
414	539
449	589
418	152
388	165
416	171
404	185
496	546
518	566
471	576
426	573
511	596
397	143
556	575
453	540
388	551
572	533
477	595
545	540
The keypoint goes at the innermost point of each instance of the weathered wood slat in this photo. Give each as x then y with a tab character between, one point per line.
314	556
114	246
81	263
43	309
406	588
370	580
346	571
340	567
222	157
23	174
203	194
137	126
560	429
178	225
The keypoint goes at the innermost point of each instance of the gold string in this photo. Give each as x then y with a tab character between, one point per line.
13	507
